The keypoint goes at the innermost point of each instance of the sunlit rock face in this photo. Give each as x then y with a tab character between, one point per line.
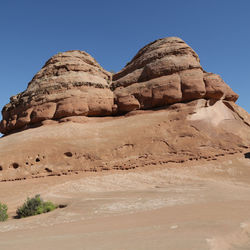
72	84
164	72
69	84
115	124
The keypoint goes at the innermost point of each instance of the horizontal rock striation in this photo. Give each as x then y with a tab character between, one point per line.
72	84
200	121
165	72
183	133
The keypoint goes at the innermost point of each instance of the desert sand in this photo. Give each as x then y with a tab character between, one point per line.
197	206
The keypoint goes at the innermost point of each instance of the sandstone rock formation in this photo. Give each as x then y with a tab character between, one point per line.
72	84
69	84
176	112
184	133
164	72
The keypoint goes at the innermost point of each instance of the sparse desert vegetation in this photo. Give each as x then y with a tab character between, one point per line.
34	206
3	212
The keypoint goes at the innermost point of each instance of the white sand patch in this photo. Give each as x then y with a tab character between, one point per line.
213	114
142	205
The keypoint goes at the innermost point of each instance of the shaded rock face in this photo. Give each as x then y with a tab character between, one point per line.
69	84
164	72
73	84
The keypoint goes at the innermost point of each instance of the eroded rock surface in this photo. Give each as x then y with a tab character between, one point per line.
183	133
164	72
70	84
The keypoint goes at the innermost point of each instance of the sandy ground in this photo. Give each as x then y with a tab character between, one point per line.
204	206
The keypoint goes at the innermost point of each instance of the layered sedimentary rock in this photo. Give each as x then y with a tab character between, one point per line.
183	133
165	72
70	84
77	102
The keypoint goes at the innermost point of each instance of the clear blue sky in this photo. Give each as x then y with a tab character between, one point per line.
31	31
